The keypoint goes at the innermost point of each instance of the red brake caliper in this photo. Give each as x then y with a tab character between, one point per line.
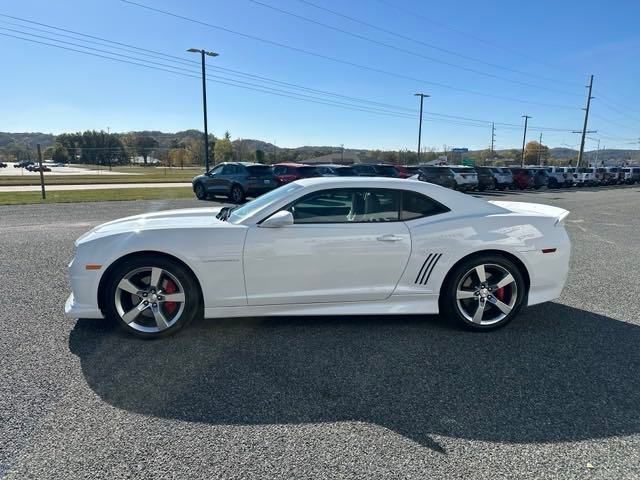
169	287
500	294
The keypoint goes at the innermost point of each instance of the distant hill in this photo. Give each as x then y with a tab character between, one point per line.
29	140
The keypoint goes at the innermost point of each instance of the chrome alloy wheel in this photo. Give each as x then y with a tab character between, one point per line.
486	294
150	299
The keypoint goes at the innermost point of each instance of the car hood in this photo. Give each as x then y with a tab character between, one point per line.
169	219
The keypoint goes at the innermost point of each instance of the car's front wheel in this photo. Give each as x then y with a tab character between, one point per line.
200	191
152	296
484	292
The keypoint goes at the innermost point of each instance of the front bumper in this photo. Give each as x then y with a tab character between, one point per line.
72	309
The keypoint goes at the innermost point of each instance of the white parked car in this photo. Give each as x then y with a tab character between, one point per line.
631	175
466	178
586	176
324	246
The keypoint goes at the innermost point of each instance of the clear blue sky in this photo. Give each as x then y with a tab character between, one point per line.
558	43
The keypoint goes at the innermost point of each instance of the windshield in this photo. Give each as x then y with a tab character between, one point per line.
238	214
344	172
386	169
263	170
462	170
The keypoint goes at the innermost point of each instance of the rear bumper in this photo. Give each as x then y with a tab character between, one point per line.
72	309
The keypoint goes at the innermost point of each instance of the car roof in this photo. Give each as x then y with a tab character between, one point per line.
334	165
290	164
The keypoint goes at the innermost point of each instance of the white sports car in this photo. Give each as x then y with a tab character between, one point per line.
324	246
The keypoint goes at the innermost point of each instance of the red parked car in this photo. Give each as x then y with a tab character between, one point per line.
523	178
406	171
288	172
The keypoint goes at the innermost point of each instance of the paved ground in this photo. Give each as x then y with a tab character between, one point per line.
554	395
92	186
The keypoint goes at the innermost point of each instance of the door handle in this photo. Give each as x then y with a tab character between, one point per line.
390	237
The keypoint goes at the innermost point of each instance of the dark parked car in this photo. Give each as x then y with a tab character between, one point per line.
384	170
288	172
23	164
523	178
442	176
486	179
3	165
331	170
406	171
540	178
236	180
365	170
37	168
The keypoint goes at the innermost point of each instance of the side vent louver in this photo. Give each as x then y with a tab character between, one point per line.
427	267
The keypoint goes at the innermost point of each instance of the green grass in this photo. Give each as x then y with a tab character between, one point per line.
106	195
136	175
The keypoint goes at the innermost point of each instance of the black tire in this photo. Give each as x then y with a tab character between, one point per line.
236	194
553	183
449	304
200	191
144	322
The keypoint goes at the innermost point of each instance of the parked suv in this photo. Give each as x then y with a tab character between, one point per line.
486	179
406	171
566	172
523	178
288	172
384	170
439	175
236	180
503	176
540	177
586	177
465	177
331	170
631	174
364	170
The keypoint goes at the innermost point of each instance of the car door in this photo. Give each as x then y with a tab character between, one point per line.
345	245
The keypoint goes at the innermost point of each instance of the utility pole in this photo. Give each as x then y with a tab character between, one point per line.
493	136
524	137
421	95
342	153
44	195
275	152
202	53
540	151
586	119
598	152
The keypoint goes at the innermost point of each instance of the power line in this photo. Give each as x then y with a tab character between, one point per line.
404	50
429	45
346	62
414	14
460	119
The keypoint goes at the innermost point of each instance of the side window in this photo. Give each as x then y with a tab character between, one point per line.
217	170
230	170
347	205
279	170
416	205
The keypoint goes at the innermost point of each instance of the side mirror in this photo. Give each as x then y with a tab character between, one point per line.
283	218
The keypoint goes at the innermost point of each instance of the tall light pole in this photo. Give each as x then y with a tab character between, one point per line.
421	95
524	138
586	120
204	101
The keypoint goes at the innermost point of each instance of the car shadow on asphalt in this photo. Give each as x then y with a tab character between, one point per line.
555	374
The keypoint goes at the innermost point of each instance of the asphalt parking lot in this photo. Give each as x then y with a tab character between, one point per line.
554	395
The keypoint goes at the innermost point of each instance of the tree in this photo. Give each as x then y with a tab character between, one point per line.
535	152
144	144
223	151
260	156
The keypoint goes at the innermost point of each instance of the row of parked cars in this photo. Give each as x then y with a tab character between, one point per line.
237	180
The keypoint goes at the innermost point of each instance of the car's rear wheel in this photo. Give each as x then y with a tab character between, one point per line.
200	191
236	195
152	296
484	292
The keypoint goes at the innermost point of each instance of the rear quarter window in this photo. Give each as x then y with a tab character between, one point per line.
415	205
